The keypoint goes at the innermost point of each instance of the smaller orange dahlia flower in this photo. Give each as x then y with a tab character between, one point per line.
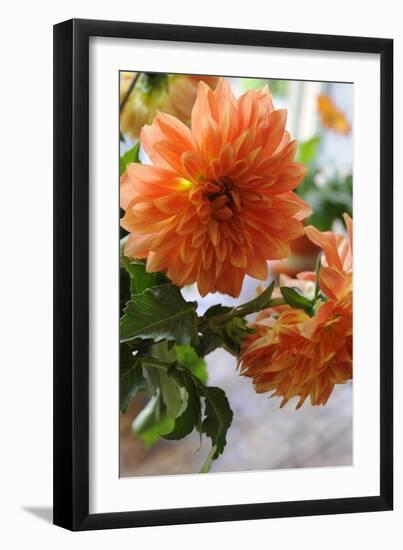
172	94
332	117
217	203
292	354
299	355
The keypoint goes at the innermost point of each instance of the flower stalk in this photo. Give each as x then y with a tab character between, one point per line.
128	92
221	320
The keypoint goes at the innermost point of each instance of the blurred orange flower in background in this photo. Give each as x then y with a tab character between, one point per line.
172	94
331	117
218	201
292	354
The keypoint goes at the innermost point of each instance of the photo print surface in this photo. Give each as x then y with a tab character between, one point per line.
236	274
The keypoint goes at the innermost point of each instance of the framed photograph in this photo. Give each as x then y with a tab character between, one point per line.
207	186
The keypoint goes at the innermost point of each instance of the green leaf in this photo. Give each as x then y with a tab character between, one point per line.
160	313
175	409
180	395
131	376
308	150
209	341
295	299
153	421
140	279
187	357
174	396
124	289
217	309
218	417
163	352
171	402
132	155
191	416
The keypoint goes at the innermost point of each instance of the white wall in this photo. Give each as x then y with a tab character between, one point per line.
25	299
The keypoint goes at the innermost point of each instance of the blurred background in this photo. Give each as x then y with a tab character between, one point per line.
262	436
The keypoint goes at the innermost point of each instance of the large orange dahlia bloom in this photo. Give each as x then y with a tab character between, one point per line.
292	354
218	200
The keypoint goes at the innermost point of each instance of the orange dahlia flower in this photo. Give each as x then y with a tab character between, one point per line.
332	117
172	94
218	200
291	354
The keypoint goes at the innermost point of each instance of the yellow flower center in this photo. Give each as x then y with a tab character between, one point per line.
183	183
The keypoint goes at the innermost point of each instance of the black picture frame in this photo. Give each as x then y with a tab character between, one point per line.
71	274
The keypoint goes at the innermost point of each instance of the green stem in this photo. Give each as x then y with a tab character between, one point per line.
317	269
236	312
206	466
